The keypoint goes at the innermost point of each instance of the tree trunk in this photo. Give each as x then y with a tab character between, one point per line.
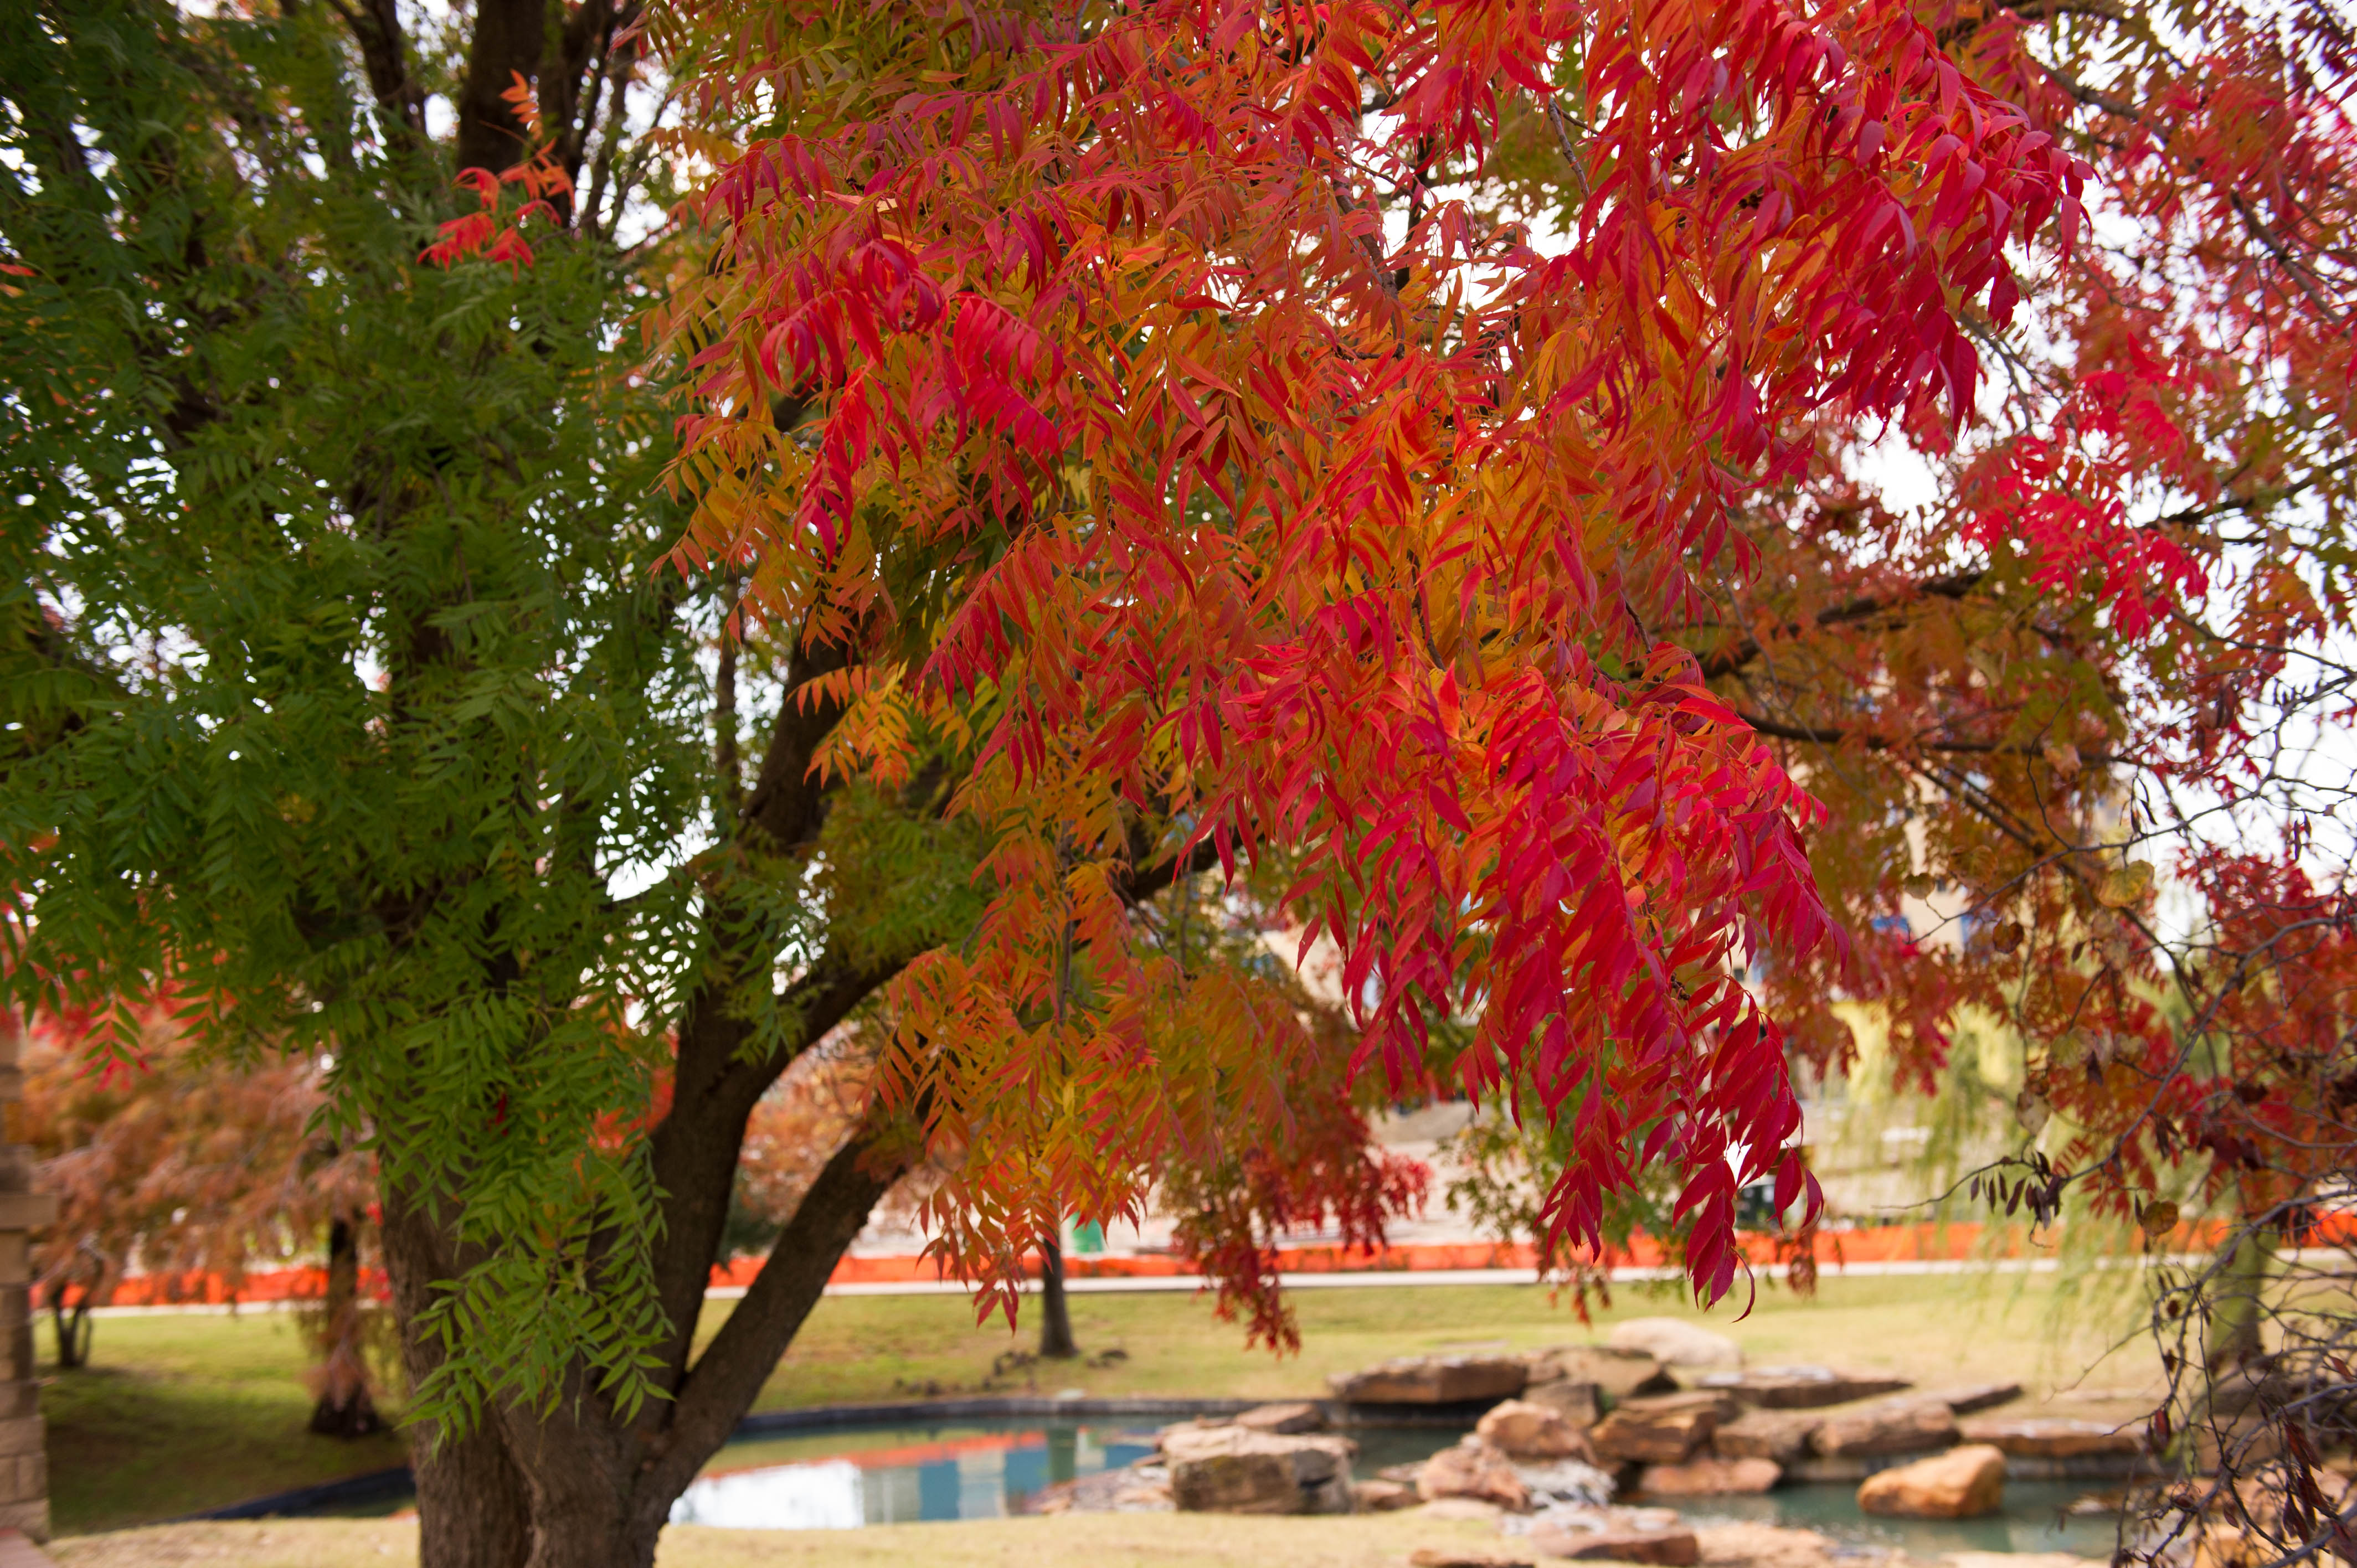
1056	1343
2232	1338
344	1408
473	1507
586	1487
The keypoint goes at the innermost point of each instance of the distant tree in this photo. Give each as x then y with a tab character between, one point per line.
196	1170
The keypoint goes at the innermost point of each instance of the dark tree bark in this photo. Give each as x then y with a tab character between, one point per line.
344	1408
473	1511
1056	1342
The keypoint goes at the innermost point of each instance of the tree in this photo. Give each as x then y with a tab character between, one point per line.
196	1170
1079	491
2078	717
344	708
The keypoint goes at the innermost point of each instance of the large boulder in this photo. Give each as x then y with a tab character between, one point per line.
1664	1428
1800	1388
1296	1417
1577	1402
1433	1379
1473	1469
1619	1534
1960	1484
1706	1476
1233	1470
1379	1496
1889	1426
1530	1430
2047	1437
1781	1436
1674	1342
1616	1372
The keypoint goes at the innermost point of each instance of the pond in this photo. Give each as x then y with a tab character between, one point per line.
2036	1518
981	1469
843	1477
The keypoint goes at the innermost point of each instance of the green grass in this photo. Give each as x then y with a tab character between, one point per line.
182	1413
187	1413
1937	1329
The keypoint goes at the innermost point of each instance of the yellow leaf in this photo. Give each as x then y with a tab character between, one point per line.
2124	886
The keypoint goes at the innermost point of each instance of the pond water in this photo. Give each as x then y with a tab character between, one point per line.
2035	1519
843	1477
894	1475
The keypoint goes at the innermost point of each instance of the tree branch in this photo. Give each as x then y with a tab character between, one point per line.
717	1392
1732	659
506	45
385	54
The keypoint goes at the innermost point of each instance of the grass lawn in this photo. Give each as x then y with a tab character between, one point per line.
189	1412
180	1413
1946	1328
1074	1540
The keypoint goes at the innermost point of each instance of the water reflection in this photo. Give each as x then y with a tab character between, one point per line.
945	1474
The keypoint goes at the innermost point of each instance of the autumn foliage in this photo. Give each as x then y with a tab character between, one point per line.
193	1172
1350	545
1147	484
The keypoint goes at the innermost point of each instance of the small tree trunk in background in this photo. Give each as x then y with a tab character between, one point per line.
344	1408
71	1319
2235	1315
1055	1315
73	1327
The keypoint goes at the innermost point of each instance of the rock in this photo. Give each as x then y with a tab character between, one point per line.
1748	1545
1472	1557
1781	1436
1382	1496
1576	1401
1528	1431
1704	1476
1800	1388
1142	1488
1721	1403
1892	1427
1433	1379
1672	1546
1674	1342
1232	1469
1474	1469
1662	1429
2049	1437
1971	1397
1960	1484
1285	1418
1592	1519
1568	1482
1616	1373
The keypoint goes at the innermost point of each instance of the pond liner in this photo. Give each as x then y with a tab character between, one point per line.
380	1486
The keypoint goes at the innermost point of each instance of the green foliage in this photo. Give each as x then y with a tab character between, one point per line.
343	701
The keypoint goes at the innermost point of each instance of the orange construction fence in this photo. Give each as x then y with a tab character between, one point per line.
1836	1250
